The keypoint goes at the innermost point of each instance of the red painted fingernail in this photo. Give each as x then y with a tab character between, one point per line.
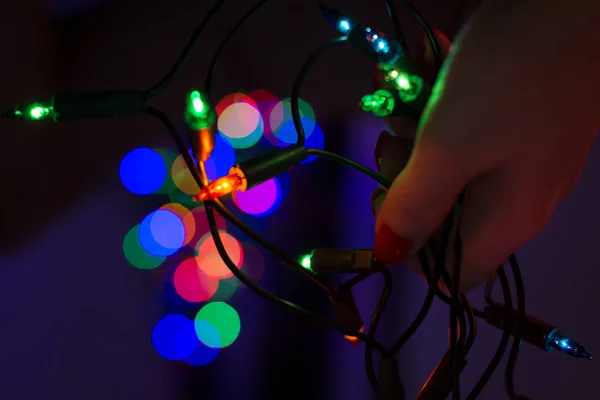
390	248
380	146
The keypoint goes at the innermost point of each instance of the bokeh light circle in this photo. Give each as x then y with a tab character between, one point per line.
221	159
239	120
280	117
136	254
261	200
315	141
192	284
182	177
223	318
162	233
202	229
203	355
143	171
186	217
209	259
169	158
233	98
173	339
228	287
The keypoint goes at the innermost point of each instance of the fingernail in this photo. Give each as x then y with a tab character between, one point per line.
380	146
390	248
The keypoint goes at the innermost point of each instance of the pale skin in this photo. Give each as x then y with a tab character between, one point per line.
510	117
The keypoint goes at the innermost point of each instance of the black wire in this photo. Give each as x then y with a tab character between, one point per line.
506	332
472	323
162	84
352	164
454	312
412	328
393	14
223	252
212	70
374	324
455	307
290	262
509	372
355	280
435	47
295	98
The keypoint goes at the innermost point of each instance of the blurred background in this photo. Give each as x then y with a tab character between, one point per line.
100	244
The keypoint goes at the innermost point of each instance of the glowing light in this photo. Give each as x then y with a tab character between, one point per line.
227	288
203	355
209	259
241	125
231	99
162	233
281	115
344	25
219	188
135	253
202	225
222	158
192	284
381	103
353	339
315	141
198	114
305	261
182	177
239	120
186	217
174	337
223	318
261	200
168	157
143	171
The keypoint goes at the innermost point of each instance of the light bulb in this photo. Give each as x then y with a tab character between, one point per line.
220	187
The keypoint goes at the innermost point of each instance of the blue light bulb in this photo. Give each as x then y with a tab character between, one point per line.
558	341
344	25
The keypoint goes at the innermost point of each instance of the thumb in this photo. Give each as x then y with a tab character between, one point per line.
418	201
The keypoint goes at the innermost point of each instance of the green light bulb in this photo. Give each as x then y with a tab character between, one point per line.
306	261
403	82
36	112
197	103
198	114
381	103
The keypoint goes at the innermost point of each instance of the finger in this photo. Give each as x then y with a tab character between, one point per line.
502	211
418	201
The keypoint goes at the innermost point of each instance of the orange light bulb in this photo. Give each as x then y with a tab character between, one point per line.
219	188
353	339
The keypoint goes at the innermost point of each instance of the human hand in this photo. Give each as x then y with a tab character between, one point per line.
496	125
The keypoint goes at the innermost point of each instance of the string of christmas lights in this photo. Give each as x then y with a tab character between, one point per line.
196	177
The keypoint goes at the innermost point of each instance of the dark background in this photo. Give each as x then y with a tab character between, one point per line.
76	318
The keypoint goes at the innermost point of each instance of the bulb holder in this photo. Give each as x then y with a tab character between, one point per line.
342	261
